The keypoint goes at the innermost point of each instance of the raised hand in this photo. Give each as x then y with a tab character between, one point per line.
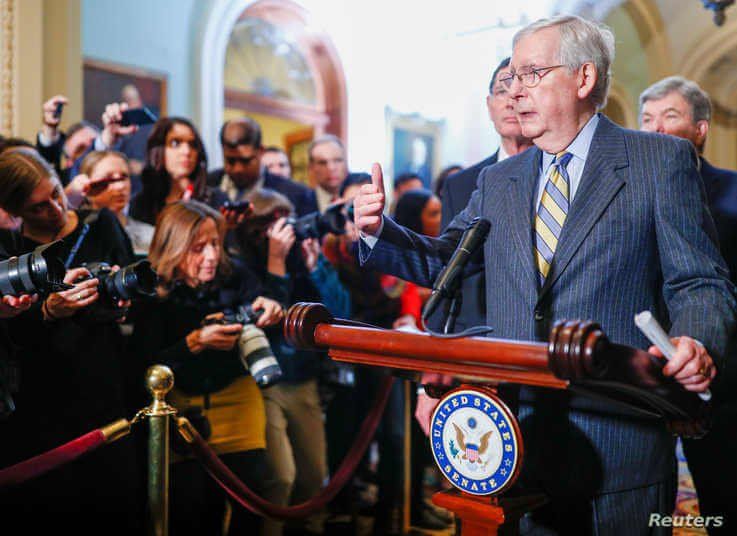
50	119
368	206
112	129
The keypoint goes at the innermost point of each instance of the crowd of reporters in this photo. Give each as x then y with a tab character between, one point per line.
149	259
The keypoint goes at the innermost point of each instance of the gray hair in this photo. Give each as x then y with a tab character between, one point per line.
581	41
325	138
697	98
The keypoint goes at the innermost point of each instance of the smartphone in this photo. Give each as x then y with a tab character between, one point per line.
240	207
137	116
58	110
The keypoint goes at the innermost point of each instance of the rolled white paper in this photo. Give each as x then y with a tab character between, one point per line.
655	333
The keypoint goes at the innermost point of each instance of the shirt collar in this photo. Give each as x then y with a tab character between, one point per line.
324	198
228	186
580	145
501	154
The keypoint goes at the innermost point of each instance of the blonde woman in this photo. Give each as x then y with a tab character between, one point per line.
198	282
110	187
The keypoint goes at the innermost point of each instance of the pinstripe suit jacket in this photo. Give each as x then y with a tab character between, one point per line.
638	236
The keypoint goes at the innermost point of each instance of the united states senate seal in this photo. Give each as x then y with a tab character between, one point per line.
476	441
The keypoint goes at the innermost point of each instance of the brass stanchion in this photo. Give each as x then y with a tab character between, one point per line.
159	380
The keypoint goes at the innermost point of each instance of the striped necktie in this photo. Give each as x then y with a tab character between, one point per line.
551	214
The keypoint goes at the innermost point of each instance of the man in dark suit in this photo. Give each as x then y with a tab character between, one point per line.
679	107
458	188
243	173
594	222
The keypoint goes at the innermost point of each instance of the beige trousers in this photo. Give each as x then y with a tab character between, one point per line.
295	447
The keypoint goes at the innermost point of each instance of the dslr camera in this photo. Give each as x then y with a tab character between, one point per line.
253	346
316	225
134	281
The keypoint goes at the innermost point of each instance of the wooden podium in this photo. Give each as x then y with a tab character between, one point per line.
474	437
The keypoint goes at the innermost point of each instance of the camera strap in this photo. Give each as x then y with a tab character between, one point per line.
91	218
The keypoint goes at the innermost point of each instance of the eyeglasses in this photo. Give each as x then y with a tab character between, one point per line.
243	160
528	78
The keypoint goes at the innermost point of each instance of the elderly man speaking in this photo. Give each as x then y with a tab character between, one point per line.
594	222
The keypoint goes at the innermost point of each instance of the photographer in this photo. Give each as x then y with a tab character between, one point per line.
70	367
212	387
295	427
110	187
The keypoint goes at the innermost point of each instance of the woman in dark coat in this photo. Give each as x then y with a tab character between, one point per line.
212	385
70	367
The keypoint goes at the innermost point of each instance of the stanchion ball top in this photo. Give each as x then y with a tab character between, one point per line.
159	381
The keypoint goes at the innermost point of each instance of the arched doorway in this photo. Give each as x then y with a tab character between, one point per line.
260	59
711	64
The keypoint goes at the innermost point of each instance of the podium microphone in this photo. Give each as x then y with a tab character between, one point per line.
449	278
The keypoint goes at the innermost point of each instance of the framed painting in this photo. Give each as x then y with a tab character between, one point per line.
103	82
414	145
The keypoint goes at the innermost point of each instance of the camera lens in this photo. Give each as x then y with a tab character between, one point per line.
316	225
38	272
137	279
257	357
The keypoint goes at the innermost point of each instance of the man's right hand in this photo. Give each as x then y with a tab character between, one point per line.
368	206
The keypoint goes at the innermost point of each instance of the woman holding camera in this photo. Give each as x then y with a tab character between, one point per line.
185	329
176	168
110	187
71	376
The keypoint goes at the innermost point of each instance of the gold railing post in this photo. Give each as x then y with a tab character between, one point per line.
159	381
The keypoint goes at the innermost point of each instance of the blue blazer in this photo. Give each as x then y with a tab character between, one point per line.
638	236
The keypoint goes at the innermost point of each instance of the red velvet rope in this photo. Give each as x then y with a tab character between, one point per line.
244	496
43	463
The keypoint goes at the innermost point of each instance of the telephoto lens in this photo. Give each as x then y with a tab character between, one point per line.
316	225
132	281
256	355
38	272
137	279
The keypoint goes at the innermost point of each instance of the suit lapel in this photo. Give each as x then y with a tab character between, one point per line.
517	207
602	178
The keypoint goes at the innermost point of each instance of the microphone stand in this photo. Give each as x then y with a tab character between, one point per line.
452	312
